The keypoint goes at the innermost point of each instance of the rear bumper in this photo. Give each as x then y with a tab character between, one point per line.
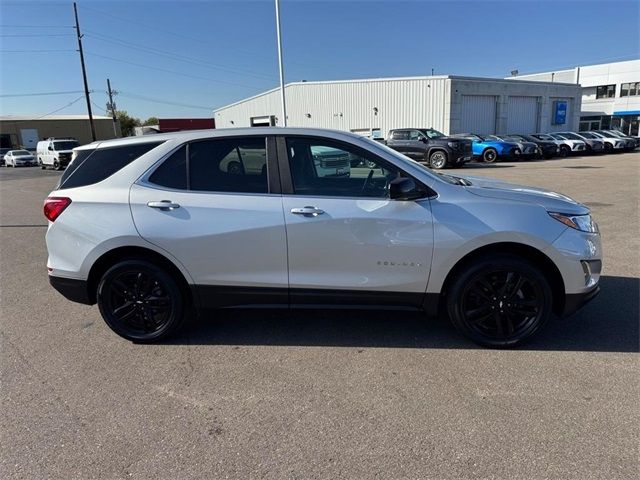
575	301
72	289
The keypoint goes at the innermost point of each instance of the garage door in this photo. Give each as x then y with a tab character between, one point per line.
478	114
522	114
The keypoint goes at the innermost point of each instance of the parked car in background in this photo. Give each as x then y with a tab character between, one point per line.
613	143
528	150
430	147
594	145
548	148
491	150
152	228
3	152
565	146
611	137
19	158
55	152
577	146
627	137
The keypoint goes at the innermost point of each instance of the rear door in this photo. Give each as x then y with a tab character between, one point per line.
347	241
215	205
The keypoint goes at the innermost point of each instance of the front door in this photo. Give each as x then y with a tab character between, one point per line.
211	206
347	241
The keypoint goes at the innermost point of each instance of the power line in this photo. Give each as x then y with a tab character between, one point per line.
39	94
34	51
36	34
62	108
157	100
173	56
36	26
169	71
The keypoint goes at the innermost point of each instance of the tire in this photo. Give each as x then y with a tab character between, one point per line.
564	151
476	309
438	160
608	148
140	301
56	165
490	155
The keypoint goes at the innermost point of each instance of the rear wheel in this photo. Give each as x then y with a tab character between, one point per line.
438	160
490	155
500	301
140	301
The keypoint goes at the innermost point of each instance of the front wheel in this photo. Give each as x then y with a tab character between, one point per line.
438	160
490	155
56	165
140	301
564	151
499	301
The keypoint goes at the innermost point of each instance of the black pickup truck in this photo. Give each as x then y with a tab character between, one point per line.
431	147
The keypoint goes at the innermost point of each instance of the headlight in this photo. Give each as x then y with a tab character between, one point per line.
453	145
584	223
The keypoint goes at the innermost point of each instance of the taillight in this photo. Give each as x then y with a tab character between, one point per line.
54	206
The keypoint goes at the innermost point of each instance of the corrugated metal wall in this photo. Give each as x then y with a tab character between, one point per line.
350	105
522	114
478	114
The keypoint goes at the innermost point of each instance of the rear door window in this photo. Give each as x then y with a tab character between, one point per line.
102	163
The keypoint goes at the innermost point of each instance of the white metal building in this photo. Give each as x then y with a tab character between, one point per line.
450	104
610	93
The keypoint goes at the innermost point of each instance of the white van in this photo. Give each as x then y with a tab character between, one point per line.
55	152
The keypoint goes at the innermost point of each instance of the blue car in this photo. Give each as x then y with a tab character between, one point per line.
490	150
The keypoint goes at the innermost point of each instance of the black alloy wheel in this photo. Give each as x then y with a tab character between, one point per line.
140	302
438	160
490	155
500	302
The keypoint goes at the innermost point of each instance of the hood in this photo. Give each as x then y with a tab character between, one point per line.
552	201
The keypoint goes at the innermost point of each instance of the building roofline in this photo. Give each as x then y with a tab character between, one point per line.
380	79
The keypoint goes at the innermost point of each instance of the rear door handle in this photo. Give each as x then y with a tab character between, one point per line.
307	211
164	205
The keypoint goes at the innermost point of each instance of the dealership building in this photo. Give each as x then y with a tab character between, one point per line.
610	93
451	104
25	132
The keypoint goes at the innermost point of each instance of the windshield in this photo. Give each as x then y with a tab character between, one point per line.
607	134
66	145
545	137
587	135
572	136
431	133
21	153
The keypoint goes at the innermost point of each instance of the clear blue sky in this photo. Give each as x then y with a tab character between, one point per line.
227	50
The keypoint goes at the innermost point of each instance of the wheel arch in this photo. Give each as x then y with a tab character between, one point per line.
111	257
532	254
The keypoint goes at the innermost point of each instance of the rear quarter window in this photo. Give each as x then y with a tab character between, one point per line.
98	164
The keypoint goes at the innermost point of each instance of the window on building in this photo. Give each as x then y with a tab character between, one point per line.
606	91
630	89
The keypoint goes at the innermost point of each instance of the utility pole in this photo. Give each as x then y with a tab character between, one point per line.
284	104
84	74
112	108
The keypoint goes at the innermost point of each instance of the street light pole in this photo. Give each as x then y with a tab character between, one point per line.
282	99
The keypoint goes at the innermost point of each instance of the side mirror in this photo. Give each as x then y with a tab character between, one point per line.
50	148
424	139
405	189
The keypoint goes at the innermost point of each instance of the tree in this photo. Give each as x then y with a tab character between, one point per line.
151	121
127	123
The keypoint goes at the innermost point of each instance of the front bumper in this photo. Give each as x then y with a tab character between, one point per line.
575	301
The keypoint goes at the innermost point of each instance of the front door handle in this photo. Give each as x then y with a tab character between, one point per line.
307	211
164	205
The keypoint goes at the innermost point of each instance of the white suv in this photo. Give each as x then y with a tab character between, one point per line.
154	228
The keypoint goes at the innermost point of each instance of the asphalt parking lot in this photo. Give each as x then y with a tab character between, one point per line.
323	394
